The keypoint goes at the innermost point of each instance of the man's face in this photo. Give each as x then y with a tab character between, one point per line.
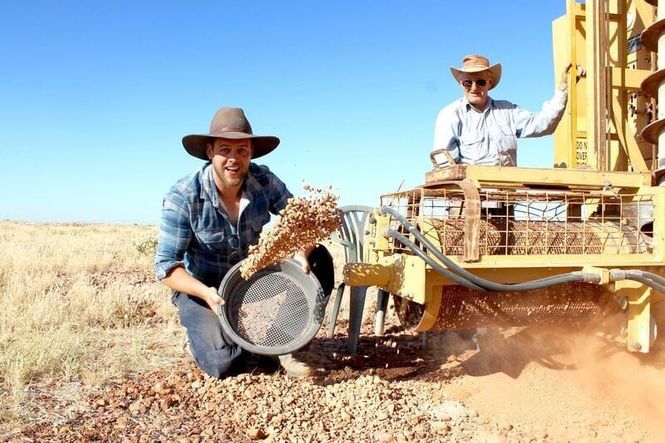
230	160
475	86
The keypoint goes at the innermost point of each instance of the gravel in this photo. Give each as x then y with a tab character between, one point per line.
392	390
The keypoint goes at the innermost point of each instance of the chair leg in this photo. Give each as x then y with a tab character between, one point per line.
381	307
335	311
356	315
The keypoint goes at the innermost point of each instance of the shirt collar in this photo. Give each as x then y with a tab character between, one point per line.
467	106
208	187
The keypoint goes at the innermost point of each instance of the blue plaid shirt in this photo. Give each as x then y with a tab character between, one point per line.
196	233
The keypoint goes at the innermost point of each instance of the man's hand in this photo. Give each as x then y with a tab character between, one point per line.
564	77
301	257
213	299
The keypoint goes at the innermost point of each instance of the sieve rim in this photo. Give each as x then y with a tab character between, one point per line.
290	269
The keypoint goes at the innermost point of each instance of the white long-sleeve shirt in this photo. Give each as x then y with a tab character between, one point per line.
489	137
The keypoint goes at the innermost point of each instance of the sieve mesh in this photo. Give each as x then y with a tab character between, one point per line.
572	304
269	309
568	303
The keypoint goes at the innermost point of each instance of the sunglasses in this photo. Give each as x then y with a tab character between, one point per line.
234	245
468	83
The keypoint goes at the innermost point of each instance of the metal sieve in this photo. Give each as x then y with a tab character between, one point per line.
277	311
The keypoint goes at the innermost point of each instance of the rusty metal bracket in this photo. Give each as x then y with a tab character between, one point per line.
446	153
471	216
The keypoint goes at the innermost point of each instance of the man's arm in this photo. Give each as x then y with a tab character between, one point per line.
180	280
301	257
536	124
446	137
174	236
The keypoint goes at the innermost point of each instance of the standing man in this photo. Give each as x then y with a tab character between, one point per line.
209	219
476	129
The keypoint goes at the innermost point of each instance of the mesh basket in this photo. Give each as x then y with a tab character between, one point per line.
277	311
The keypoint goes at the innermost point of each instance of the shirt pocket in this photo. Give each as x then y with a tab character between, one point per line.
472	147
507	143
211	239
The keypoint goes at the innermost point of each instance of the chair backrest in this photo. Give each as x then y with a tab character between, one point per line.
351	234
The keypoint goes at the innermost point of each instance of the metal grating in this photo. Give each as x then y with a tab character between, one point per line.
269	310
570	304
533	221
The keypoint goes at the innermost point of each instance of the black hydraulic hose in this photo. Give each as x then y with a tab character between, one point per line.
436	266
498	287
487	285
638	276
650	275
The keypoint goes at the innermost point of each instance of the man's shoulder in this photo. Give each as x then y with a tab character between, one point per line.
259	170
189	186
452	109
262	180
261	173
503	104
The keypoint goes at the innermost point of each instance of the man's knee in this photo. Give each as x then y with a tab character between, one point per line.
216	363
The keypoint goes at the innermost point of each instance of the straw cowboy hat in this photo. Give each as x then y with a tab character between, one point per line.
478	63
229	123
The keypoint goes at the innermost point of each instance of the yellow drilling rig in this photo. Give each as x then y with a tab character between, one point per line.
506	246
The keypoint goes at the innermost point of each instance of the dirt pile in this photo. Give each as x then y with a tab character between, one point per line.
522	385
368	397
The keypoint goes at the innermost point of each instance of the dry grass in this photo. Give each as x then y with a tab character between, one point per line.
79	305
79	302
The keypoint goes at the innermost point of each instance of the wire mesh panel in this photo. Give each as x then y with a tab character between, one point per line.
567	304
276	311
533	221
268	310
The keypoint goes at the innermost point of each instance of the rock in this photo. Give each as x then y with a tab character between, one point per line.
440	427
255	434
383	437
161	389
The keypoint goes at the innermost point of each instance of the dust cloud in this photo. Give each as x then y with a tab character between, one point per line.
568	382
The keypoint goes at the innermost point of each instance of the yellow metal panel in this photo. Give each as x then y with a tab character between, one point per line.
367	274
400	274
536	176
628	78
432	305
596	104
639	314
561	30
607	47
375	240
413	284
632	149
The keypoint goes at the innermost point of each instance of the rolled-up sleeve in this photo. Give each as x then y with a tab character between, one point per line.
175	233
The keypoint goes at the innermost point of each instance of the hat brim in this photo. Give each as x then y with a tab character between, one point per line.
495	71
195	144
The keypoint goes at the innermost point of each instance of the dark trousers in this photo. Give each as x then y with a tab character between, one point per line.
213	351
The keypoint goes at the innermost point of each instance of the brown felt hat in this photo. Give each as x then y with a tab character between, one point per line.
478	63
229	123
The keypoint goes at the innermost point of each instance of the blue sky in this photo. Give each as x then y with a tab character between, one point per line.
95	97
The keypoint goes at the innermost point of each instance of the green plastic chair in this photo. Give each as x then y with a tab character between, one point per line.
351	235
